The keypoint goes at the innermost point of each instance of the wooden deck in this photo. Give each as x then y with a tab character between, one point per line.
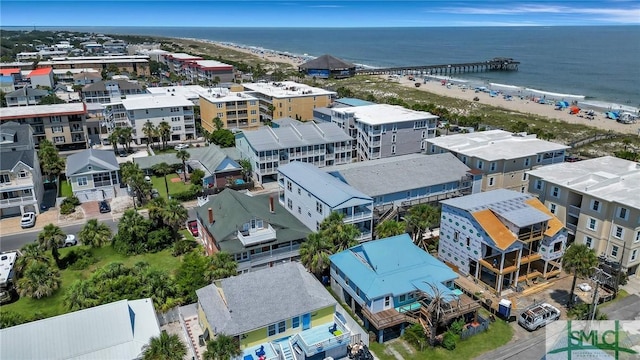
386	318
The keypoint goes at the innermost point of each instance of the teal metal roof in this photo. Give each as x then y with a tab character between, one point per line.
392	266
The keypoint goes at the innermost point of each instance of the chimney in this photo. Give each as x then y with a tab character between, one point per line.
271	208
210	216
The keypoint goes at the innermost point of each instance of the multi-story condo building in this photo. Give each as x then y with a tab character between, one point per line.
236	110
501	238
131	64
208	71
25	96
176	61
598	200
21	186
311	195
383	130
62	124
104	92
268	148
501	156
288	99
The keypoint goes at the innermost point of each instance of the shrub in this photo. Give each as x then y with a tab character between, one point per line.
183	246
187	195
73	200
159	239
67	208
79	259
457	327
449	340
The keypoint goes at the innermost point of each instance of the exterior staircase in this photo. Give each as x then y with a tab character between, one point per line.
286	350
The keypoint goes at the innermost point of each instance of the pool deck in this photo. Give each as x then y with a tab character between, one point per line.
269	352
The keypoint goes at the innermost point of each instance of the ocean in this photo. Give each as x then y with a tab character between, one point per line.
600	63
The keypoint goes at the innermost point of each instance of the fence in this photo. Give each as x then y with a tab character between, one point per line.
473	330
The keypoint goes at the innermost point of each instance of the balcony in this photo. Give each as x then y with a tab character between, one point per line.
256	236
275	255
527	236
18	183
23	200
572	228
574	211
77	129
349	218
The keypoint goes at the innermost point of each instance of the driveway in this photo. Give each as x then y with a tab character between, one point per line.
625	309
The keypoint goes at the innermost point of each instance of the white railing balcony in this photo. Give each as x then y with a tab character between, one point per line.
24	200
275	255
573	211
256	236
364	236
18	183
357	216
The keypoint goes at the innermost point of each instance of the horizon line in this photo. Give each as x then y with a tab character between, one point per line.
317	27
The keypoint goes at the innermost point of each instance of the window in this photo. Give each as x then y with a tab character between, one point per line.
387	301
4	178
539	158
272	330
424	134
295	322
422	145
394	127
22	174
480	164
618	232
299	210
289	185
299	191
419	124
464	159
592	224
637	239
282	326
492	166
433	149
538	185
177	128
557	246
524	176
595	205
402	298
319	207
56	119
56	129
220	115
552	208
623	213
588	241
393	149
82	181
468	241
614	250
253	112
491	181
393	138
527	162
555	191
456	234
634	255
289	203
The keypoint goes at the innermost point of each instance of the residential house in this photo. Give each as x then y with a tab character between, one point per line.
236	110
108	91
21	186
255	230
86	78
115	47
388	282
501	156
62	124
42	77
280	312
93	174
311	195
407	180
502	238
288	99
118	330
268	148
383	130
25	96
9	77
598	200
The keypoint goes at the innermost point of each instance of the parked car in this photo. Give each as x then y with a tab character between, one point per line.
123	153
193	227
28	220
104	207
70	240
181	146
537	316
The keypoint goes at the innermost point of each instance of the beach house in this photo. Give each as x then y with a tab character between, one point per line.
93	174
598	200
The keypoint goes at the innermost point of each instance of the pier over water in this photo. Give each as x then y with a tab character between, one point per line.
495	64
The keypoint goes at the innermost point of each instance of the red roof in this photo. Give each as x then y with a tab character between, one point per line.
7	72
41	71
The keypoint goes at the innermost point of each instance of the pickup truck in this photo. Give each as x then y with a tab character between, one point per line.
193	227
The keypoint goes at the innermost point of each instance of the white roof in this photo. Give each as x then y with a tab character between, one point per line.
210	63
183	56
224	95
99	58
607	178
385	114
41	110
118	330
6	265
286	89
495	145
155	102
76	71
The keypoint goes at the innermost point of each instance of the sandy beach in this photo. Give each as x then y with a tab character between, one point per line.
456	90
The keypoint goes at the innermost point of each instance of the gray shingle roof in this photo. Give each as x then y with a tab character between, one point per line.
11	158
105	159
257	299
23	135
289	136
211	157
232	209
327	62
122	84
400	173
27	92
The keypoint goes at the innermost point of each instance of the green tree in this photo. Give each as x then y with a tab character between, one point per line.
11	318
30	253
175	215
50	100
38	281
419	219
582	261
132	233
196	176
165	347
80	295
217	123
149	130
133	176
51	163
314	253
51	238
222	347
183	155
246	168
114	139
223	138
126	137
3	99
163	169
164	131
222	266
271	111
95	234
390	228
192	275
340	235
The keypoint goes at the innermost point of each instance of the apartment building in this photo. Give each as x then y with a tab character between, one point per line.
208	71
176	61
501	238
311	195
503	157
236	110
104	92
131	64
268	148
65	125
21	186
383	130
288	99
598	200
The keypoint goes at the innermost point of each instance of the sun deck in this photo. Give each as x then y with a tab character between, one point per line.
251	353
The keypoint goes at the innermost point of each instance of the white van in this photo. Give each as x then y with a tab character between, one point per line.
538	316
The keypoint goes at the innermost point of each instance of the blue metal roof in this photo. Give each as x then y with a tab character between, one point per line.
353	102
392	266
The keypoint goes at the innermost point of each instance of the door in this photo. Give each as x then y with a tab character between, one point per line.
306	321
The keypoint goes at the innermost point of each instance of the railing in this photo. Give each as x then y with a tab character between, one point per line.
16	182
573	211
18	201
531	235
358	216
572	227
274	255
312	349
254	237
364	236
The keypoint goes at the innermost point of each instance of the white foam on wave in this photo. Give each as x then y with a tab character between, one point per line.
609	106
512	87
448	78
555	95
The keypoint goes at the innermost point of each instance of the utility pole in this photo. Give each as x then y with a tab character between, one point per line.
598	278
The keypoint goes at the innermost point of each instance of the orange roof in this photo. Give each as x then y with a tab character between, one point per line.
7	72
41	71
553	225
499	233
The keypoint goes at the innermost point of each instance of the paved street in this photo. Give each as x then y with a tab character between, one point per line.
625	309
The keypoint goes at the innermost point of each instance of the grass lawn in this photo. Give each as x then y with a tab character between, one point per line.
53	306
65	189
621	295
168	150
174	187
187	234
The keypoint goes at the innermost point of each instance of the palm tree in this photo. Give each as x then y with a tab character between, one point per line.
164	131
134	223
165	347
342	236
126	136
113	138
223	347
95	234
419	219
51	238
31	253
246	168
39	280
80	295
157	208
271	110
175	215
222	266
437	305
390	228
163	169
148	129
314	253
217	123
133	176
582	260
183	155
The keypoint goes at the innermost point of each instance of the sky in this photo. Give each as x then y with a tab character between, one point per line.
318	13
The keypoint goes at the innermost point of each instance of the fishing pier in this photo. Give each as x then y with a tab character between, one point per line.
495	64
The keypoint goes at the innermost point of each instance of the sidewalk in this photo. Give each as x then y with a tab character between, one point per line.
11	226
